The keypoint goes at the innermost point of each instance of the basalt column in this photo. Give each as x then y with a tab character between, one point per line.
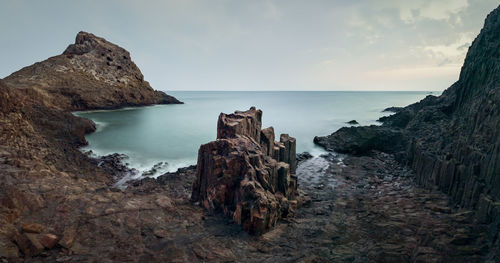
245	174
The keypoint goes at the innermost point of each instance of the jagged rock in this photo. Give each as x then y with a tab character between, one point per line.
91	74
155	169
454	139
303	156
237	174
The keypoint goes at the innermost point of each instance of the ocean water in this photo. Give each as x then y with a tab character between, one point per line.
173	133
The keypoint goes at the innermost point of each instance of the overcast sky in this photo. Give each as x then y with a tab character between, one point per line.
259	44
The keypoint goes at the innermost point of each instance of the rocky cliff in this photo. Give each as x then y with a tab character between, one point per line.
46	182
246	174
451	141
91	74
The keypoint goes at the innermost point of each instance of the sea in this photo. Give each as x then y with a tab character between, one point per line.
172	134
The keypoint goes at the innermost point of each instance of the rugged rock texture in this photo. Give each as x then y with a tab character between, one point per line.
454	139
246	174
362	140
46	183
91	74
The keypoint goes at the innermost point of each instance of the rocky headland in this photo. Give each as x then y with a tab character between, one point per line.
90	74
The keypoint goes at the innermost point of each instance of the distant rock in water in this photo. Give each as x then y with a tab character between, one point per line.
247	175
303	157
393	109
452	141
353	122
91	74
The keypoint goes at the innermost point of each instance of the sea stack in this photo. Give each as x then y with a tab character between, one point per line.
247	175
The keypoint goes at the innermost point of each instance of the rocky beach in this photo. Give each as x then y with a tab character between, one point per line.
420	187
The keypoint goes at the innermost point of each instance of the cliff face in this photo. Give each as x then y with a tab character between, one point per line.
453	141
246	174
455	138
91	74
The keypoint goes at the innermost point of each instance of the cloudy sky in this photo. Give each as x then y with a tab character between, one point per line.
259	44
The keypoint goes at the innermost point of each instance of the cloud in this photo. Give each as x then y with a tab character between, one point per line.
261	44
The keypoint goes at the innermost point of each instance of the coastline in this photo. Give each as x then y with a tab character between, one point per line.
421	187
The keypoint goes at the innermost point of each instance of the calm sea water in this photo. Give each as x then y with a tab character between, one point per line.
173	133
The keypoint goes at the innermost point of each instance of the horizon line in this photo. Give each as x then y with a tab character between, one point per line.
430	91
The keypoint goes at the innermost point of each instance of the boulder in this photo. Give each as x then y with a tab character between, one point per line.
33	228
245	174
49	240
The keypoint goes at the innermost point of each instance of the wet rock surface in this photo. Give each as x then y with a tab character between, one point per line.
356	209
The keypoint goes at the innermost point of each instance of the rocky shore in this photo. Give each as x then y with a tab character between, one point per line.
451	142
59	205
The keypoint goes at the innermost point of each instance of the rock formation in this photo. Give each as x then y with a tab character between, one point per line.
453	141
91	74
246	174
42	172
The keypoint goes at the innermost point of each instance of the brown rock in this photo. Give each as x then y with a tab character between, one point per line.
237	174
49	240
29	244
68	237
267	140
164	202
33	228
244	123
92	73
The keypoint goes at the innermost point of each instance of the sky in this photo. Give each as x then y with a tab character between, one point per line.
259	44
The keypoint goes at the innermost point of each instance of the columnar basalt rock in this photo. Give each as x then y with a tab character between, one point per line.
244	175
451	141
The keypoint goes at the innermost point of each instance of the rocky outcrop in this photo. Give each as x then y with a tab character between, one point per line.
91	74
362	140
246	174
453	141
45	180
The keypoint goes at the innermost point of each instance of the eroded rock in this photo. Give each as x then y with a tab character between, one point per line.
245	175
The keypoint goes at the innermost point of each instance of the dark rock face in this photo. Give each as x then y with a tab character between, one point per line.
454	139
303	157
246	174
393	109
91	74
362	140
353	122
